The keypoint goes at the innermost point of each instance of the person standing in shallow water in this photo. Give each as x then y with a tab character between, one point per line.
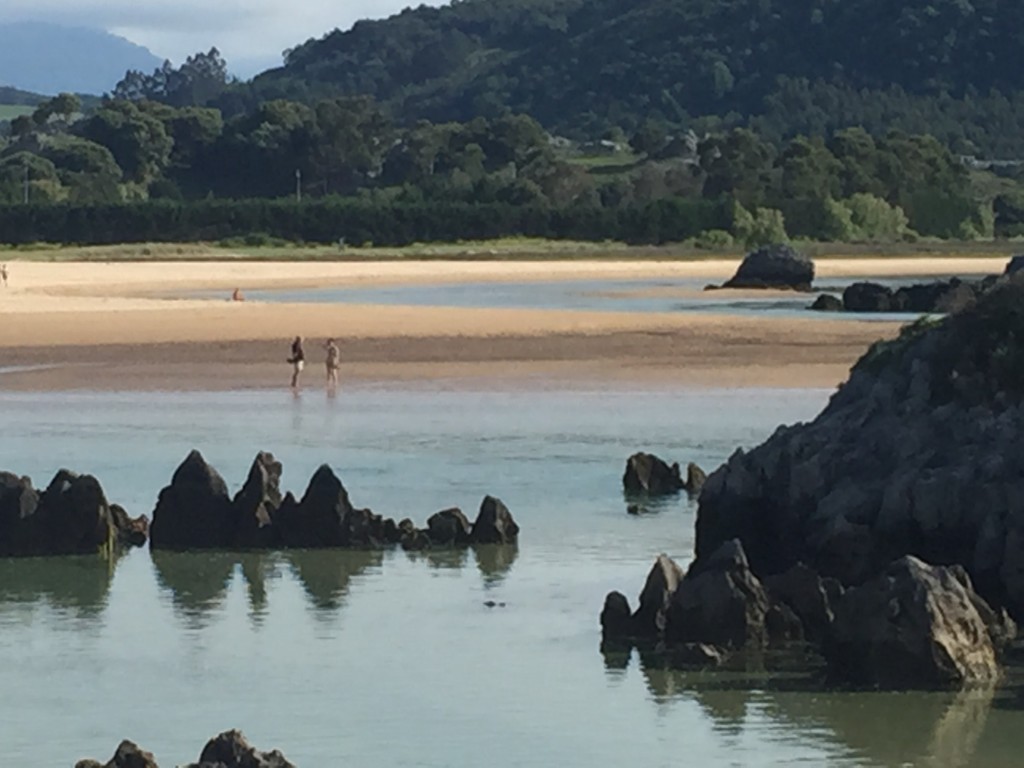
298	360
333	363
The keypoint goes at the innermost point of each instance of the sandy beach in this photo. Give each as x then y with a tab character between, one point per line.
125	326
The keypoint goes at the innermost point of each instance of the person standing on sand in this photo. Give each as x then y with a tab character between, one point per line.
3	274
298	360
333	363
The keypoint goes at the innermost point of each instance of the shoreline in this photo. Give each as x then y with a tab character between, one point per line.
104	326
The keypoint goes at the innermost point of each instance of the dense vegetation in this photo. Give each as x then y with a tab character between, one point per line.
752	120
783	66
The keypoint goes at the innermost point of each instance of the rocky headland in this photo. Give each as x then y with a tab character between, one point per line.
888	532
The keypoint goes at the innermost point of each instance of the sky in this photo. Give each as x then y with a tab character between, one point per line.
250	34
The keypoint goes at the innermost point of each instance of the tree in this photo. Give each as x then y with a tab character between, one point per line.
138	141
737	164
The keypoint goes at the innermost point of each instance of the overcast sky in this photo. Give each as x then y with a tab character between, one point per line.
251	34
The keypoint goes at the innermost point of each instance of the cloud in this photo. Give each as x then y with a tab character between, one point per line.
243	30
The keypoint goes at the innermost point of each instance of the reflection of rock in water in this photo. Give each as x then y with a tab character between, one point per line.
495	560
78	583
256	567
198	581
453	559
616	657
914	728
325	574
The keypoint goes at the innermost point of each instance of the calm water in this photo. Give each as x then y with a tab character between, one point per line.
591	295
387	659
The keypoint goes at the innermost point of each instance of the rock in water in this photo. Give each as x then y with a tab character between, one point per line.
826	302
194	511
913	626
695	478
128	755
319	520
774	266
868	297
231	750
494	524
646	473
449	527
662	583
920	452
255	505
720	602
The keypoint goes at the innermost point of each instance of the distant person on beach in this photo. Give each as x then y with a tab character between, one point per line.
3	274
298	360
237	295
333	363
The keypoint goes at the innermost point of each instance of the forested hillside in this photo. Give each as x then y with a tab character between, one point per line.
785	67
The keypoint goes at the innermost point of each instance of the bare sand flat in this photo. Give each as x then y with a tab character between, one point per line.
117	326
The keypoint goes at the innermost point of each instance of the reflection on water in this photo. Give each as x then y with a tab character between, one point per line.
79	584
327	575
495	561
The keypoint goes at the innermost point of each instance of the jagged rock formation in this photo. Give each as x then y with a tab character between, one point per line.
826	531
912	625
227	750
774	266
921	452
647	474
196	512
71	517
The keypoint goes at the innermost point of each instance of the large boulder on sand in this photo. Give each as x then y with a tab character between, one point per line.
921	452
194	511
774	266
646	473
912	626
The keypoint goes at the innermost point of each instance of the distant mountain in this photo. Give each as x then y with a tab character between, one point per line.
49	58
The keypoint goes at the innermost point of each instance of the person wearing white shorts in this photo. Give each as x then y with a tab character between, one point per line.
298	361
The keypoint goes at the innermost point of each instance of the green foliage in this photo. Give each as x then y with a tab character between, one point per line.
713	239
874	219
764	226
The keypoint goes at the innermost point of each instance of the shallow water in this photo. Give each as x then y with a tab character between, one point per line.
590	295
391	659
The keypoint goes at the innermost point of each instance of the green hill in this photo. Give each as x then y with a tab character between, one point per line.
783	66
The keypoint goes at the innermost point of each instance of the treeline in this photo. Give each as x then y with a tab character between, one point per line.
849	185
349	222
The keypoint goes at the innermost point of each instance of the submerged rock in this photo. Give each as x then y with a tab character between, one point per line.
774	266
913	626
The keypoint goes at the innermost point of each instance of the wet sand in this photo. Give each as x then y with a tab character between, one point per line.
106	326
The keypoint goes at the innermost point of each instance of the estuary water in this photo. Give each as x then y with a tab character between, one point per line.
390	659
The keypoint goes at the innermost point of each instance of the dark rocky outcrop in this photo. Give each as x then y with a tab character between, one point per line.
127	755
809	597
194	511
939	296
228	750
231	750
449	527
662	582
648	475
912	626
720	602
826	302
494	524
774	266
1015	265
255	505
921	452
71	517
